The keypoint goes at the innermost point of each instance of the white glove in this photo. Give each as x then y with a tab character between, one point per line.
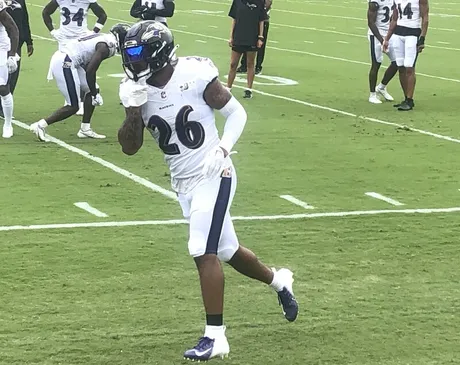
215	163
133	94
97	100
12	63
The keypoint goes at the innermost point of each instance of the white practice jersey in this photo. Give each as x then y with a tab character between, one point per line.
181	122
156	4
409	13
82	50
384	12
74	18
5	43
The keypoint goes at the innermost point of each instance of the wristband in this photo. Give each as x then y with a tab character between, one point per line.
260	38
99	26
421	41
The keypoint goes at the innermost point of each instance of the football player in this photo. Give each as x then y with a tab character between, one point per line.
9	40
378	19
75	73
157	10
408	27
174	99
73	23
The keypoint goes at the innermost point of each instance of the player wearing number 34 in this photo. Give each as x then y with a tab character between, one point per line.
73	24
174	98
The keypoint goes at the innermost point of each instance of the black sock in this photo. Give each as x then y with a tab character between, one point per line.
410	100
215	319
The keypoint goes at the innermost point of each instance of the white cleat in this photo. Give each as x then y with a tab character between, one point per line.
80	111
374	99
385	94
39	132
89	133
7	131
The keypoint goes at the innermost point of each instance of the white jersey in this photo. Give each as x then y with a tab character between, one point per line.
156	4
74	18
82	50
181	122
409	13
384	12
5	43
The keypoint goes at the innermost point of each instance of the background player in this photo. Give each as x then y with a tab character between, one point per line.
9	40
73	23
20	15
176	104
378	19
75	73
157	10
409	25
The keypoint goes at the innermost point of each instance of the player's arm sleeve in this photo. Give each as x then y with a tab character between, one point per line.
219	98
236	118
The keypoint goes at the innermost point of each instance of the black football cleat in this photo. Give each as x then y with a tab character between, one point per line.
247	94
406	106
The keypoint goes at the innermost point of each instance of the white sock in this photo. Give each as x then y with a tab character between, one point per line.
42	123
214	332
277	284
8	104
85	126
381	86
373	94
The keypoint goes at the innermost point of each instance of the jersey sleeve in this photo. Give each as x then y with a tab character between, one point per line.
92	1
204	68
210	71
232	12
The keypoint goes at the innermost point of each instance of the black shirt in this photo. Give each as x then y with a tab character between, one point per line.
247	15
21	18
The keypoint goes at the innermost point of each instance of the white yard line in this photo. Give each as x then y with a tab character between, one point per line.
342	112
306	53
355	213
226	3
343	42
140	180
43	38
384	198
296	201
312	105
290	50
90	209
200	41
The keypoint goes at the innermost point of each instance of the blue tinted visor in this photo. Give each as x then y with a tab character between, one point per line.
134	54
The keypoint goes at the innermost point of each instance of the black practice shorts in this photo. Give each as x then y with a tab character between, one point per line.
244	49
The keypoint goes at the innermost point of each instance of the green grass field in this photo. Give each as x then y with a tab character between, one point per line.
375	287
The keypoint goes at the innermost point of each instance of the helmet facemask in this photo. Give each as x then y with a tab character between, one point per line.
146	59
